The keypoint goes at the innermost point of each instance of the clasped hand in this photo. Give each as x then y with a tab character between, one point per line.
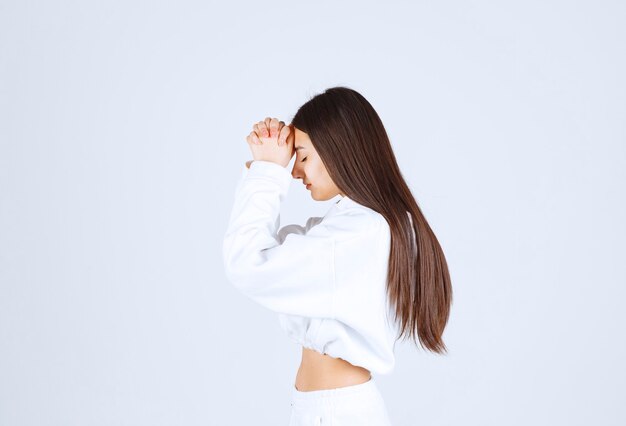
272	140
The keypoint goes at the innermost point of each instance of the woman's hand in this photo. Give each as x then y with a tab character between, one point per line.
272	140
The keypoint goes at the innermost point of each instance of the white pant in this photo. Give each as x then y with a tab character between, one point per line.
361	405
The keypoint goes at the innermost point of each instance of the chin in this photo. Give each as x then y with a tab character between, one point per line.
321	198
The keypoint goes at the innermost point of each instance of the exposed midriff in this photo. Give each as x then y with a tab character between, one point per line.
320	371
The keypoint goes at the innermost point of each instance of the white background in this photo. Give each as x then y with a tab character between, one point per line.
122	136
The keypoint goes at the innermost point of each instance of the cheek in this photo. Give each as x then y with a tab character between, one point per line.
316	169
321	174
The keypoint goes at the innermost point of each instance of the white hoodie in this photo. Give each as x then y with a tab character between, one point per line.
326	279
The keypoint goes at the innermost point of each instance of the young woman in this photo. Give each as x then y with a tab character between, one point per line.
345	283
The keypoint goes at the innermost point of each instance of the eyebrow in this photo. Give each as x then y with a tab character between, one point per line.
299	147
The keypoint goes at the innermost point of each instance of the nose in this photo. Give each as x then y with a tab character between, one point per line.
296	172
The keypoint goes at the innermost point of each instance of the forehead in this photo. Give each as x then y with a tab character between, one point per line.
301	139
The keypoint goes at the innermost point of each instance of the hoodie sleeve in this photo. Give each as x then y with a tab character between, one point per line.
288	270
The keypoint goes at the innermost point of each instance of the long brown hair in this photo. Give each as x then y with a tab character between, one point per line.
351	141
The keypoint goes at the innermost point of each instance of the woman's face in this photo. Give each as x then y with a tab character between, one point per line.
308	166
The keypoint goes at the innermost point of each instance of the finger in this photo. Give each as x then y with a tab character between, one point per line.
260	129
291	138
267	123
263	125
282	136
281	124
255	138
274	127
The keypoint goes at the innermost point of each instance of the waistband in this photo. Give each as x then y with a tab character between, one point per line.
303	396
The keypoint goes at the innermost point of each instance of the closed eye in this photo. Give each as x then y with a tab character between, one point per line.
303	160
